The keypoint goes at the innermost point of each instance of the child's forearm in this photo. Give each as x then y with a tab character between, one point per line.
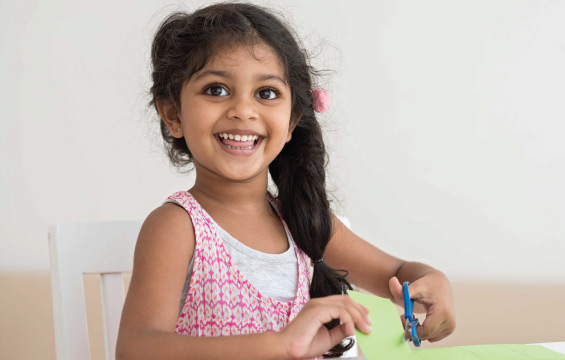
411	271
166	345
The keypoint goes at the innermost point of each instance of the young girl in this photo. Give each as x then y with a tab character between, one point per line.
227	269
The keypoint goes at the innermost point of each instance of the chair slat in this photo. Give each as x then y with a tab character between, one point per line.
69	307
112	288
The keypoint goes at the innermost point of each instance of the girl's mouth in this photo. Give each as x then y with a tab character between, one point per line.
240	144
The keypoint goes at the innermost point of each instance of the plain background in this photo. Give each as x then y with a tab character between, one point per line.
445	132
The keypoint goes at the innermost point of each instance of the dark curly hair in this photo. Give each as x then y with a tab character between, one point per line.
182	46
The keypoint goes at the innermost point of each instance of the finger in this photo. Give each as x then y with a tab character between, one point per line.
338	308
430	328
446	329
407	331
347	320
361	313
403	319
395	287
359	317
418	291
359	307
351	313
337	334
439	337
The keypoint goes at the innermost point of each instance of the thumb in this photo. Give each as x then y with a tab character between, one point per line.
395	288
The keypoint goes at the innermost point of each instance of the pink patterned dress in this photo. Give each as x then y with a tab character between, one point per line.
220	301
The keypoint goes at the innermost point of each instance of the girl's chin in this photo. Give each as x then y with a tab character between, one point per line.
242	173
232	170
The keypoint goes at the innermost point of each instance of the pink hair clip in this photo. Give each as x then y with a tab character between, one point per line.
320	100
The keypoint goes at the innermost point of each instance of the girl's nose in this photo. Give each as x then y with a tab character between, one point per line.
242	107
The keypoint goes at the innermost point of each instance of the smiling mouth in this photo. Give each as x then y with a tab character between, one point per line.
237	142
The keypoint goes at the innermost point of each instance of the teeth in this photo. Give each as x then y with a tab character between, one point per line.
240	148
239	137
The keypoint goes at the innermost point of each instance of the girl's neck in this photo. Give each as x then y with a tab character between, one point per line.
247	197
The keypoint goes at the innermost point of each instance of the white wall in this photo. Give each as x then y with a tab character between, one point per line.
445	131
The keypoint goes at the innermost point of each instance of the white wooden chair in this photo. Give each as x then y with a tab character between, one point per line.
78	248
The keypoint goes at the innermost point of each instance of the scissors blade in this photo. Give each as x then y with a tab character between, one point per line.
407	332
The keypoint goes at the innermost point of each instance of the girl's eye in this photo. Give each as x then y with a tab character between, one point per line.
267	94
216	90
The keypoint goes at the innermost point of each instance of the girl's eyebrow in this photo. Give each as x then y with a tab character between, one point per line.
271	77
219	73
228	75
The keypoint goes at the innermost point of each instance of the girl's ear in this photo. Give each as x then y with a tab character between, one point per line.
293	122
170	116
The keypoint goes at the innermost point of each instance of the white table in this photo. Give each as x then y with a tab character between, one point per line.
556	346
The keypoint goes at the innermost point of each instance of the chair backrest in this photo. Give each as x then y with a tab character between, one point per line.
78	248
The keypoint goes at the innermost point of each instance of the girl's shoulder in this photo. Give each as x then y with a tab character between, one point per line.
170	214
167	229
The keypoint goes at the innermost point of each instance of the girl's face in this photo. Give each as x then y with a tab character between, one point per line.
235	112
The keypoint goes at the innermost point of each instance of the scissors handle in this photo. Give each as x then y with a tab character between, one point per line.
411	322
408	303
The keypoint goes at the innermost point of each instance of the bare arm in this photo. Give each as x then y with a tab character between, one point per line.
382	274
164	247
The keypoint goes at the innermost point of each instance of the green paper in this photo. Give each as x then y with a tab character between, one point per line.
385	340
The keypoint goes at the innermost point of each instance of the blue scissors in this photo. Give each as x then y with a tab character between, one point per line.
411	321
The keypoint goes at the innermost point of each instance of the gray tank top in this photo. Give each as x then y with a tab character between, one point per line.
274	275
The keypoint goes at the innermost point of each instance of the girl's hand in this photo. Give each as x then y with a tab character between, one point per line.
307	337
434	293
